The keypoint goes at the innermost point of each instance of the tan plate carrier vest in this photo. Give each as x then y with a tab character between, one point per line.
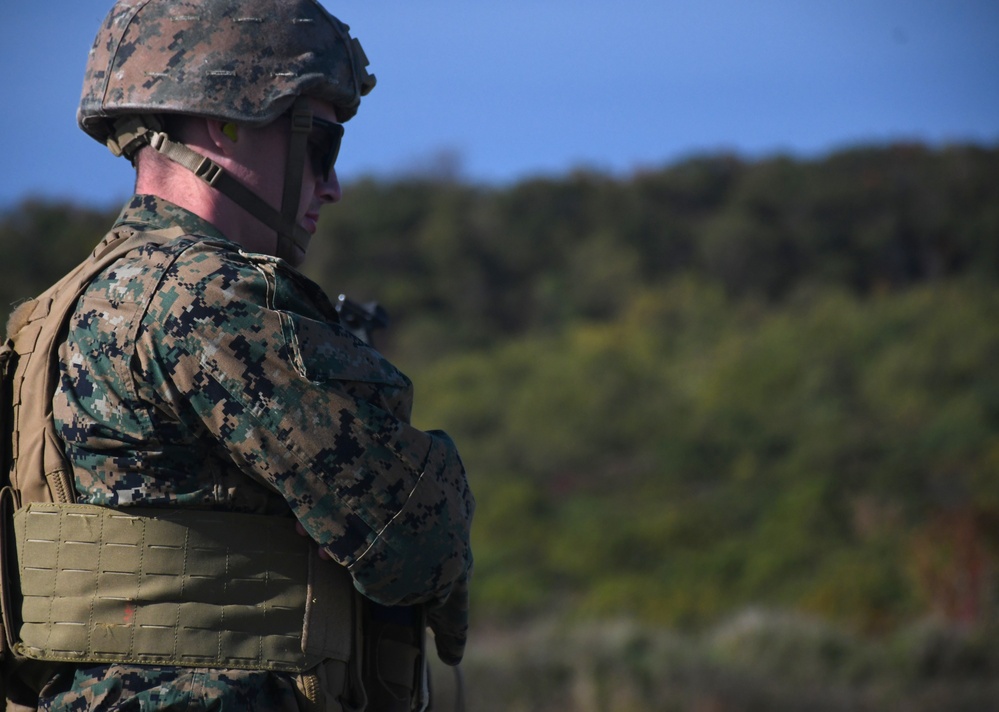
155	586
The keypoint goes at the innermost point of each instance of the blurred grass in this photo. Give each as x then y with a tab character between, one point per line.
759	660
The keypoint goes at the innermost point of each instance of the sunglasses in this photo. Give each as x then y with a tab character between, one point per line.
324	145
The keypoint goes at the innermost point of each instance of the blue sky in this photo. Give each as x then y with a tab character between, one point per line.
506	90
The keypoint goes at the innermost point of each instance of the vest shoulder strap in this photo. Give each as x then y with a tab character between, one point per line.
32	458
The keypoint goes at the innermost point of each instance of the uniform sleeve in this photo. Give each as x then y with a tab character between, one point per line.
301	405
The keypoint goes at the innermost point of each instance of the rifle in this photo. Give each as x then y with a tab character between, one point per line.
362	320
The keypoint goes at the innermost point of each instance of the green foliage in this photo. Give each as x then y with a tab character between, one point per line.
41	241
692	390
700	454
497	264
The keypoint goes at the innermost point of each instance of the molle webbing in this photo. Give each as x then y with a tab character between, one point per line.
156	586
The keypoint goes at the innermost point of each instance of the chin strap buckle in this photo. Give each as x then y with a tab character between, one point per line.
130	133
209	171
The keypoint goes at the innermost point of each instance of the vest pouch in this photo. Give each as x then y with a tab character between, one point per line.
395	665
171	586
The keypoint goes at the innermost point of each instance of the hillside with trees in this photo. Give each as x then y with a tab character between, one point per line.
733	420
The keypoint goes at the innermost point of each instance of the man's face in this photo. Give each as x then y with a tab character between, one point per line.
317	190
260	156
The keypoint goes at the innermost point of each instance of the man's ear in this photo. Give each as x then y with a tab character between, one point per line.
224	134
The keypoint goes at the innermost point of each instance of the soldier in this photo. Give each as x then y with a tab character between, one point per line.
238	461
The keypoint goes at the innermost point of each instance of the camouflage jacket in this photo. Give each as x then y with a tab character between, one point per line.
198	375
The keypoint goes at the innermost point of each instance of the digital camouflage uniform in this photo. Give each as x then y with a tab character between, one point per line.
198	375
195	376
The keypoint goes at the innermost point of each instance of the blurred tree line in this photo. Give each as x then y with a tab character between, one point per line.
693	389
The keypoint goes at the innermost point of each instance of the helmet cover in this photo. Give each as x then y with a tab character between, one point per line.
234	60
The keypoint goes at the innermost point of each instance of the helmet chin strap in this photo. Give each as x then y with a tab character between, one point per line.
133	132
294	167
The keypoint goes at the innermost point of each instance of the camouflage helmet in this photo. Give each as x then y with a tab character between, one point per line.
234	60
242	61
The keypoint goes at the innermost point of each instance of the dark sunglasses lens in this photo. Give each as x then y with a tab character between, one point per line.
324	146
